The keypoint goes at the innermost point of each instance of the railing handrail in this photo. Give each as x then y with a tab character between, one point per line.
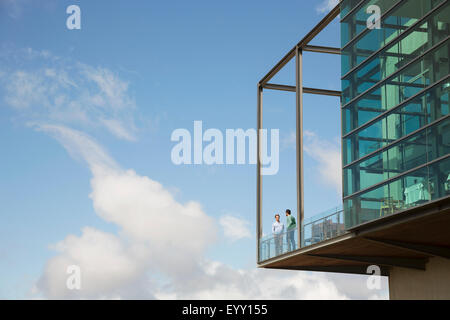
324	214
323	218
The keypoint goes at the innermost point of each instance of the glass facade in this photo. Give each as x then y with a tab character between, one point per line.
395	107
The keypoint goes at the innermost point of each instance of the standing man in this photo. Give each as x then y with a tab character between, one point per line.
290	226
277	230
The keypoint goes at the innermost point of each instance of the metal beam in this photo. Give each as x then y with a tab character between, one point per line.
258	171
299	140
411	263
324	92
322	49
283	87
438	251
355	269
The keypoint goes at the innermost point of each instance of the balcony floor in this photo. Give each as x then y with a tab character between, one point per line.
405	239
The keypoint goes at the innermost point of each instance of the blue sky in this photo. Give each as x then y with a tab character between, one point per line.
134	73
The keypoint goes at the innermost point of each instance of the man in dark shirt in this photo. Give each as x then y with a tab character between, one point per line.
290	228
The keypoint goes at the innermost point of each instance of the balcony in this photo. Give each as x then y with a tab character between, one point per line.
321	227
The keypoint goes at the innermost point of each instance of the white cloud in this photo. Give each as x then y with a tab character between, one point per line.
106	266
117	128
328	156
45	88
235	228
326	6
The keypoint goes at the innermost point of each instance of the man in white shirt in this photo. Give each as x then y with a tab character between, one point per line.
277	230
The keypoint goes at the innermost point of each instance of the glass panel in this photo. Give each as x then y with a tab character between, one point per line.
394	56
410	81
440	176
275	245
347	5
422	110
420	148
416	188
323	226
391	27
357	21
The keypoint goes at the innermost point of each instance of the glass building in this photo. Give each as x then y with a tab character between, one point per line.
395	150
394	110
395	107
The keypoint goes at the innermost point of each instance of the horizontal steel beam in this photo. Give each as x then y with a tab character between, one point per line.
322	49
411	263
354	269
438	251
283	87
324	92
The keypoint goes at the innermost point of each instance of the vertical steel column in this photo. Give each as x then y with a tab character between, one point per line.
299	140
258	173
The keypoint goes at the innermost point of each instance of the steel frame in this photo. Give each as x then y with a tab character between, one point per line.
297	53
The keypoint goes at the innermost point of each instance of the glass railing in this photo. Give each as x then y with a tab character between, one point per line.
321	227
324	226
276	244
